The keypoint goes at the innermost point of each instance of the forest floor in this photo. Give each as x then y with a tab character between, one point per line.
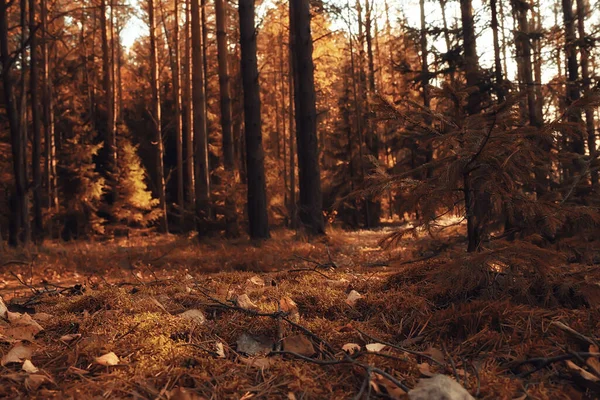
165	317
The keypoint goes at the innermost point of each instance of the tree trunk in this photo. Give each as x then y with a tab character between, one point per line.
231	224
497	61
187	115
311	200
19	203
585	76
109	167
291	122
471	61
178	128
38	231
201	172
257	197
156	116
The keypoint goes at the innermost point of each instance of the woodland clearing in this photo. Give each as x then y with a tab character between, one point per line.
164	317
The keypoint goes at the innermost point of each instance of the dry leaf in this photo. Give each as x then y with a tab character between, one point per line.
298	344
383	386
353	297
244	301
257	280
289	306
291	396
180	393
107	360
29	367
439	387
22	327
258	362
3	309
159	305
253	345
593	362
351	348
70	337
341	283
375	347
34	381
17	354
436	354
42	317
584	374
220	350
425	370
194	315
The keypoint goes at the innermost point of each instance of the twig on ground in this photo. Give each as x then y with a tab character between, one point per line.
542	362
573	332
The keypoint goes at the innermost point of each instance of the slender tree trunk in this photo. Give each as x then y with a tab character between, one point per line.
257	197
283	119
36	125
187	115
585	76
201	172
156	116
311	200
26	223
19	197
425	80
231	224
291	123
109	169
178	122
497	61
204	53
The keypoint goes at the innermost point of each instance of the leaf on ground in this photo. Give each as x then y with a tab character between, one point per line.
351	348
22	327
244	301
34	381
194	315
29	367
42	317
258	362
439	387
337	283
593	362
584	374
436	354
220	349
159	305
70	337
425	370
107	360
17	354
180	393
252	345
289	306
299	344
257	280
353	297
383	386
3	309
375	347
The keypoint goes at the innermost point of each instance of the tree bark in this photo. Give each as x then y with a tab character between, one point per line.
201	172
311	200
178	122
187	115
257	197
157	120
497	61
231	224
109	167
36	159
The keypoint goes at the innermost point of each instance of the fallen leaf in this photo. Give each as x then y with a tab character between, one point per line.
351	348
337	283
257	280
17	354
159	305
29	367
42	317
375	347
439	387
70	337
383	386
258	362
353	297
436	354
253	345
22	327
299	344
220	350
425	370
107	360
194	315
291	396
3	309
244	301
180	393
34	381
584	374
289	306
593	362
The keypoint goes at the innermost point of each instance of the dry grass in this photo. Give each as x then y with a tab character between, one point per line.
134	291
